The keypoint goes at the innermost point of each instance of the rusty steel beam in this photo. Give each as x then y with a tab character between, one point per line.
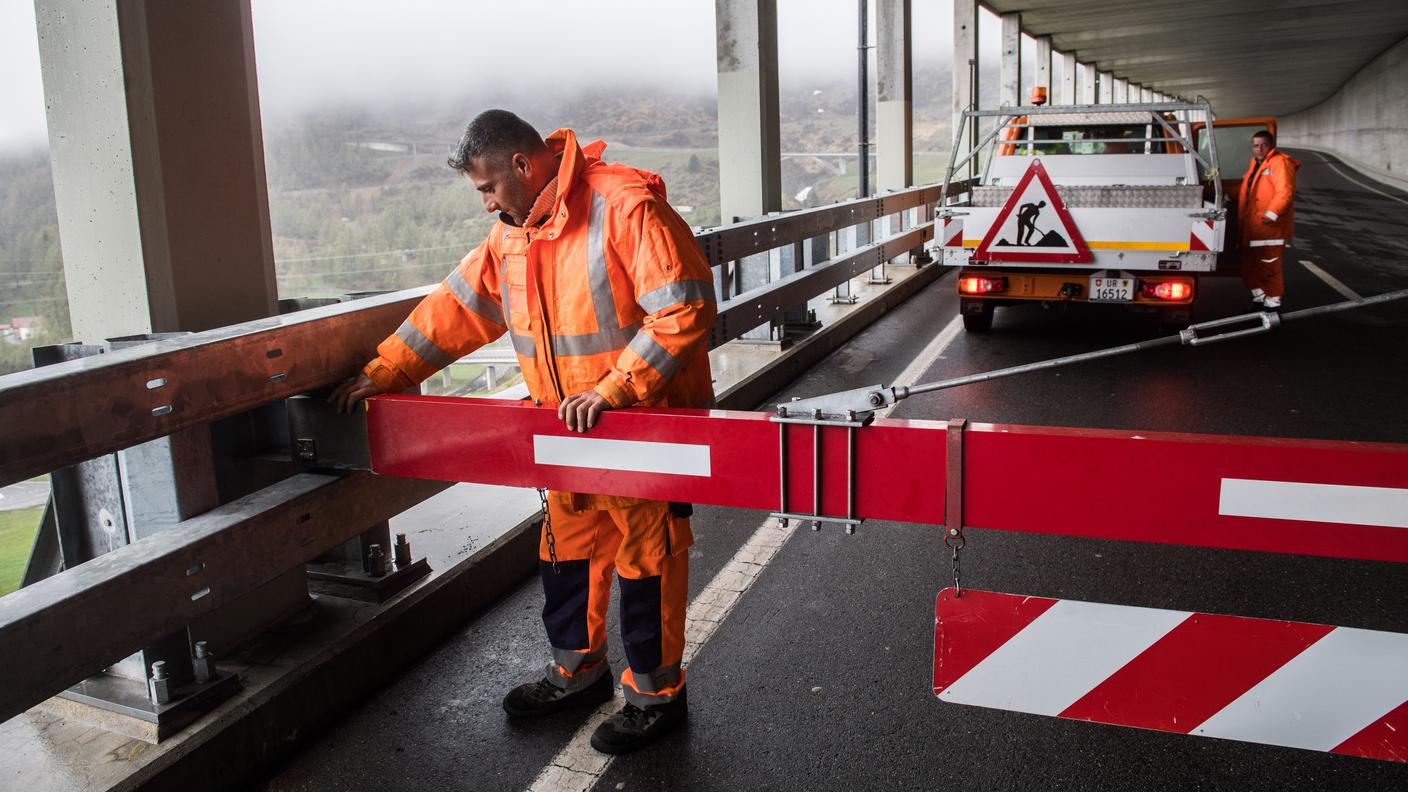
62	414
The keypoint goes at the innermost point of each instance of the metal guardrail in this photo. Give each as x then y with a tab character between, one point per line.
68	412
63	628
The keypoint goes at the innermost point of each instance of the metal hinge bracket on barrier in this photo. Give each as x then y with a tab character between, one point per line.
953	495
816	417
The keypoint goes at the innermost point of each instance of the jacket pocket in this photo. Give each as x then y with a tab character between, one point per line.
516	286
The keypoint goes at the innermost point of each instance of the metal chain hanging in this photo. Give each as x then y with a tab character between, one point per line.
954	540
547	529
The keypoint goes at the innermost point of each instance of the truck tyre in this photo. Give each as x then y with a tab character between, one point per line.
978	322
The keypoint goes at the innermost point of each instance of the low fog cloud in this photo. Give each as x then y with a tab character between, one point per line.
316	53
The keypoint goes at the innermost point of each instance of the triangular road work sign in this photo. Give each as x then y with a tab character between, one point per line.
1034	225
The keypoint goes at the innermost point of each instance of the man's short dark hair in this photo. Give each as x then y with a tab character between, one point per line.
1266	133
495	136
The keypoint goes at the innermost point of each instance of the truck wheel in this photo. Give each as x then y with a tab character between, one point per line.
978	322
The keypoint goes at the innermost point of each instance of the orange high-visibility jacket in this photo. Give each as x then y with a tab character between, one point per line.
1272	196
610	293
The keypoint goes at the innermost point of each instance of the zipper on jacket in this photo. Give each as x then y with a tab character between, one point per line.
551	358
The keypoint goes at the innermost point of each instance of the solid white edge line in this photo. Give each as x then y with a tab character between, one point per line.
1322	696
925	359
578	766
1325	503
1368	187
1061	656
1330	280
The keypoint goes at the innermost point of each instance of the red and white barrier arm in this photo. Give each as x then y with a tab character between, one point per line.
1291	684
1326	498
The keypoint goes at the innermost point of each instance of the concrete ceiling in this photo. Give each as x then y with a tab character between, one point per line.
1250	57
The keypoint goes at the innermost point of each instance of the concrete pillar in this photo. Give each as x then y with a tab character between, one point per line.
1042	74
965	75
750	162
1146	95
893	96
1010	83
1106	87
1121	91
1068	79
1087	84
158	164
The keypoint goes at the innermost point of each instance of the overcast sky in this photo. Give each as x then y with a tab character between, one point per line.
313	52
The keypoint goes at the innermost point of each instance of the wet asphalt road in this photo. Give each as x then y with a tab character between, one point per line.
821	678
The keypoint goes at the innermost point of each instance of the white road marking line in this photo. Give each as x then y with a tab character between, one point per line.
1370	188
1330	280
925	359
1061	656
578	766
1348	680
637	456
1328	503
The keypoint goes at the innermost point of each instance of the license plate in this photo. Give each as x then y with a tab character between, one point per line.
1111	289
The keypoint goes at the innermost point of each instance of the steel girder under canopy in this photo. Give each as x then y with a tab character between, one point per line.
1249	57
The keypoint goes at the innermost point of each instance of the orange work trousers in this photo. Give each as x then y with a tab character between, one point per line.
647	546
1261	268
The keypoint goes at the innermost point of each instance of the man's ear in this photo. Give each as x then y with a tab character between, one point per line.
522	165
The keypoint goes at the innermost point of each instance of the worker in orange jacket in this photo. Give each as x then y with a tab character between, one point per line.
609	302
1266	217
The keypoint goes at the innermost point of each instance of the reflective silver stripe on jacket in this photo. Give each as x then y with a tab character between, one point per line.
657	356
610	335
1265	242
594	343
603	301
422	346
674	293
472	299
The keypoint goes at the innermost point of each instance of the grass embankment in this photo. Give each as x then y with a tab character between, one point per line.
17	530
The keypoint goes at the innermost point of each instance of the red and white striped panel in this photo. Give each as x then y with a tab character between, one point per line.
1310	686
953	232
1202	235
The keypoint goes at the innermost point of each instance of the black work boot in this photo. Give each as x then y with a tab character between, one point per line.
633	727
536	699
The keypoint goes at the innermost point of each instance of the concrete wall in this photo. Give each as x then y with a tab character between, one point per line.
1365	121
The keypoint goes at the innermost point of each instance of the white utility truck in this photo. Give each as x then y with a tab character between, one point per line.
1090	203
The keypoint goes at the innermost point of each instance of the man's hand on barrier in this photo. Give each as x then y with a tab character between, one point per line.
346	395
581	411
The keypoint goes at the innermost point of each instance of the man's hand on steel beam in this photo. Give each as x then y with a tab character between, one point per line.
581	411
346	395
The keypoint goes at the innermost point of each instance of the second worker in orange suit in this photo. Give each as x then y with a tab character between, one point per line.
1266	215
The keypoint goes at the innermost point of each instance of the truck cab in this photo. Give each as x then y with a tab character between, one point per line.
1109	203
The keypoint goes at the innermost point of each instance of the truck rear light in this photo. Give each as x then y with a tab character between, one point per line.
1167	290
974	284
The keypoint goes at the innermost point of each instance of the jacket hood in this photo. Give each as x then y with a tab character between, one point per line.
586	161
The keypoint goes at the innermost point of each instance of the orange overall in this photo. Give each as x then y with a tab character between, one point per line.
1267	216
608	292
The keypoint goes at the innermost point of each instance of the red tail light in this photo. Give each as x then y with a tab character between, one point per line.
978	285
1167	290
